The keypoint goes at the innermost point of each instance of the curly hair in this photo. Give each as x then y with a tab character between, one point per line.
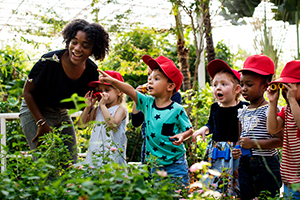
96	35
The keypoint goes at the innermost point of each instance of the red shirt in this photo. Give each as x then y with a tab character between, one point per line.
290	165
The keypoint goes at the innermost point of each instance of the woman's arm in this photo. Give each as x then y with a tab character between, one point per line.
42	126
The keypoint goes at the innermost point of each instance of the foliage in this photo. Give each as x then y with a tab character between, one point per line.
128	49
14	63
52	176
200	103
238	9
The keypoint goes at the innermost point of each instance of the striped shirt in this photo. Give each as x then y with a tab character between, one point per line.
290	165
254	126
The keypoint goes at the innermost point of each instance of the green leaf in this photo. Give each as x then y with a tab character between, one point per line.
5	192
33	177
141	191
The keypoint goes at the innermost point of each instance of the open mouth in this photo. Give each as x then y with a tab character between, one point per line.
76	55
220	95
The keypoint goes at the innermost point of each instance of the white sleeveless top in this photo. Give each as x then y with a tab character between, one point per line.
102	142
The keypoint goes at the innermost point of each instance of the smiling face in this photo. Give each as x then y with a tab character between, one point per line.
79	48
225	89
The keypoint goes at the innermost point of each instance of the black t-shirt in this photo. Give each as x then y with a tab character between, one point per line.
223	122
53	85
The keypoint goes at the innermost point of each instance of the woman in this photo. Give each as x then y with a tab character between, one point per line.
56	76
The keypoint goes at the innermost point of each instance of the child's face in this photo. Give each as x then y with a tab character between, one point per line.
252	87
113	94
158	83
149	72
225	90
297	94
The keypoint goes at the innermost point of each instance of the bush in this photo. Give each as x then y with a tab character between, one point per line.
48	178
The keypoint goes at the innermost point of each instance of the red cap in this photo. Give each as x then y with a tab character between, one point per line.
290	73
113	74
218	65
167	66
259	64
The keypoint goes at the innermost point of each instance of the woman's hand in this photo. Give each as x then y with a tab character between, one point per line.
41	131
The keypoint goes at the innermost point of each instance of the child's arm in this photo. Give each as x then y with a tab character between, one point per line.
124	87
270	143
182	137
88	114
291	96
274	122
203	131
137	117
113	121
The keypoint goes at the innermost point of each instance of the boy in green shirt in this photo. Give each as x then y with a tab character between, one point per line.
167	124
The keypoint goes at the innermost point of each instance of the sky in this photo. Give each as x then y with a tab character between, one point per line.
151	13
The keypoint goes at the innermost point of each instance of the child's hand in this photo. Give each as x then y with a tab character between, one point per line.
198	132
236	153
104	77
291	90
90	101
176	139
142	88
246	143
272	95
104	98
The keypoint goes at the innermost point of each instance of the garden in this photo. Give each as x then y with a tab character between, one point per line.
47	177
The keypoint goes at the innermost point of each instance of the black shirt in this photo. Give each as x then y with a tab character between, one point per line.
223	122
53	85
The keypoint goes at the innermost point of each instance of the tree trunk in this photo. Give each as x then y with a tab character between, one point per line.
183	57
183	53
210	50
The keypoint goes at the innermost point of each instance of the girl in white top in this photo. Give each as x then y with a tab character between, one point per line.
108	140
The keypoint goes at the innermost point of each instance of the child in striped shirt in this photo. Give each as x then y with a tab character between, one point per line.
259	171
288	120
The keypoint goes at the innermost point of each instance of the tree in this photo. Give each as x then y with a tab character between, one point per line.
288	11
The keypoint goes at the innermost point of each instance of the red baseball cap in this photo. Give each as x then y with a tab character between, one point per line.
218	65
113	74
167	66
260	64
290	73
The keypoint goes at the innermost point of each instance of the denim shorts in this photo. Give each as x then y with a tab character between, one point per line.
54	117
178	170
257	175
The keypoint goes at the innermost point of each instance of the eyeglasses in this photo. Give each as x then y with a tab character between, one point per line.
274	86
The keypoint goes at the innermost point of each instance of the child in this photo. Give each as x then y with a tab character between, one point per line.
260	171
164	118
110	111
223	122
288	120
137	117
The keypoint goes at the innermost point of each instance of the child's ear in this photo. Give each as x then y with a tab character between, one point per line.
238	88
171	87
119	93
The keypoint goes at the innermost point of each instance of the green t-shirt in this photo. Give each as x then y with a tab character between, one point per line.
162	123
